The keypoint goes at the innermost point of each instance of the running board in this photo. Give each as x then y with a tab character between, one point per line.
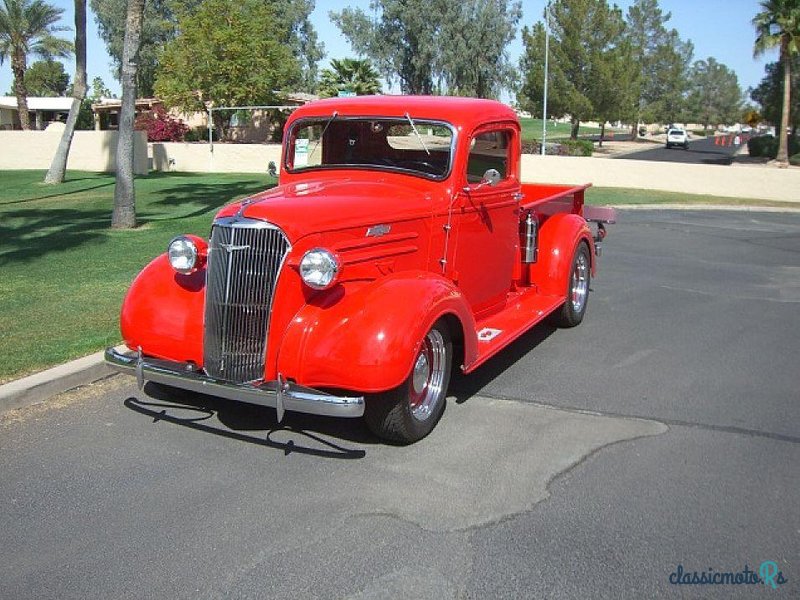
497	331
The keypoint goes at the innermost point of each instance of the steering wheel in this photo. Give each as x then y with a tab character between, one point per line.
420	165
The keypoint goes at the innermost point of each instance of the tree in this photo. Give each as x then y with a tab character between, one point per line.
58	167
160	26
124	214
99	90
778	25
349	75
663	61
229	53
614	93
715	95
587	55
402	41
301	37
46	78
405	41
474	61
770	93
29	27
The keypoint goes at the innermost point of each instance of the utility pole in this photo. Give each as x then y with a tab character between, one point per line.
546	67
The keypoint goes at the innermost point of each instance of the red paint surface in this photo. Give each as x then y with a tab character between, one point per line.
364	332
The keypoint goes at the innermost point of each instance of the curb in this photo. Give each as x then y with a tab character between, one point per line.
39	387
724	207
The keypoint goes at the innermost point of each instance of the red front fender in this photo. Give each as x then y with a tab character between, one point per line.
366	338
163	313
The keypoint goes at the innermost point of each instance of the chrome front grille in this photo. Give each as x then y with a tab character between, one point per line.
244	260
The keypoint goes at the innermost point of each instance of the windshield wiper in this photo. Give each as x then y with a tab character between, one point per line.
419	137
324	129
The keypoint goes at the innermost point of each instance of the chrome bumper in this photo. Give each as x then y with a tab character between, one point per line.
280	395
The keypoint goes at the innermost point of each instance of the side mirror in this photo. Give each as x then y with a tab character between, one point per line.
491	177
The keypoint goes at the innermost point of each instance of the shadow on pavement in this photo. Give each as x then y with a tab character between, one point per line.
465	386
162	403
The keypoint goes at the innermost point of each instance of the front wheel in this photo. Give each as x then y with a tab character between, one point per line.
571	313
410	411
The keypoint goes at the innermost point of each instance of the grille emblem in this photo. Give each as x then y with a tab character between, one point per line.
232	248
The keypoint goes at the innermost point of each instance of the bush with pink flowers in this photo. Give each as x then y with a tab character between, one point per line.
161	126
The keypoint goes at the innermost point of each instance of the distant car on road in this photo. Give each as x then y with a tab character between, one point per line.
677	137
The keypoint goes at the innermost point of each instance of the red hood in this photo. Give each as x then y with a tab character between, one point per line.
318	206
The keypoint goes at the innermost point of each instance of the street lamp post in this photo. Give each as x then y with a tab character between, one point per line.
546	68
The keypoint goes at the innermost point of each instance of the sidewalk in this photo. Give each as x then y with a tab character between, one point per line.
743	180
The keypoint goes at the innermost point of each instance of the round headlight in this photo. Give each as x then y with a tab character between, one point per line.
183	255
318	268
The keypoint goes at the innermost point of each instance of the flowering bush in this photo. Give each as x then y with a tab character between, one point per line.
161	127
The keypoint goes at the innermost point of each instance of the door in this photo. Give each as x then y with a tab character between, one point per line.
487	219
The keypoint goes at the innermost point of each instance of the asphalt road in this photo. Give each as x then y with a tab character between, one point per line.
701	151
583	463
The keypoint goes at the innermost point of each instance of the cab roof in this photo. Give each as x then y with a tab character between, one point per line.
465	112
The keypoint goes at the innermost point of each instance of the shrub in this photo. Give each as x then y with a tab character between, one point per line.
699	132
560	148
763	145
161	127
199	134
577	147
767	145
795	160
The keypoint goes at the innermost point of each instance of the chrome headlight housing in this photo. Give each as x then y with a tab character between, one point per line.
183	255
319	268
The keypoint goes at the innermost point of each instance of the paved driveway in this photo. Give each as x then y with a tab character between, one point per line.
703	151
591	462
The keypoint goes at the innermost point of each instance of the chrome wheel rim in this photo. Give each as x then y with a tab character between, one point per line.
579	284
427	378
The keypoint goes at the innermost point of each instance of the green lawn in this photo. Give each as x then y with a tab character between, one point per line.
623	196
63	271
532	130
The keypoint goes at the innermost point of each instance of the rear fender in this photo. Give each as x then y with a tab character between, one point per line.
558	237
366	338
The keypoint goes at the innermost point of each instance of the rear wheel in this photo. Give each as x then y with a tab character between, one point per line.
410	411
571	313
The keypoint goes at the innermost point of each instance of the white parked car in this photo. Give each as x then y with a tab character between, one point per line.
677	137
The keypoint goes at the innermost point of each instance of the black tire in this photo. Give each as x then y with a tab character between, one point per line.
571	312
410	411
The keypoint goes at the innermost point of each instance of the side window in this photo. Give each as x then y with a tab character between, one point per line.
488	150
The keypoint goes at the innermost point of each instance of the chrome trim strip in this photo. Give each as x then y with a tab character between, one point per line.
453	140
245	222
281	395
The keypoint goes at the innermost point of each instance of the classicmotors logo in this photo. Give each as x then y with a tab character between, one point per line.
768	574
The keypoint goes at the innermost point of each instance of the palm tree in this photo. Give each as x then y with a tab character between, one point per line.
28	27
778	24
58	167
349	75
124	214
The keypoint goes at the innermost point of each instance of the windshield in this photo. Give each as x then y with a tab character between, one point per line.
418	147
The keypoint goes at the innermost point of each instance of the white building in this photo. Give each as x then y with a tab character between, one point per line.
42	111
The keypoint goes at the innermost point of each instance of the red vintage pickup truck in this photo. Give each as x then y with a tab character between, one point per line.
399	243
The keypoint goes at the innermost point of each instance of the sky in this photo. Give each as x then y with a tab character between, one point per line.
718	28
